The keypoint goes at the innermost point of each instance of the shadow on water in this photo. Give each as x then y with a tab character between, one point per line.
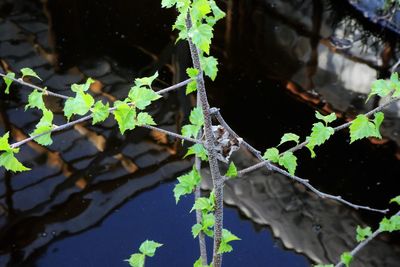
94	195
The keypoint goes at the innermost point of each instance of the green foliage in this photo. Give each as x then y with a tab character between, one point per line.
81	103
100	112
227	237
144	118
346	258
192	86
363	127
287	159
7	158
44	128
204	204
390	225
207	222
395	200
199	151
232	171
142	97
125	116
363	233
146	81
8	80
187	183
29	72
196	119
147	248
198	263
384	88
320	132
35	100
201	36
287	137
209	66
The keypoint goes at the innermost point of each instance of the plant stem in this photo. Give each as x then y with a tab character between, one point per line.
218	181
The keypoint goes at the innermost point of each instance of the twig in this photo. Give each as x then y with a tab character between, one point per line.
365	242
393	69
270	166
218	181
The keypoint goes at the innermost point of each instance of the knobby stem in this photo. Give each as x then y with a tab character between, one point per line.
218	181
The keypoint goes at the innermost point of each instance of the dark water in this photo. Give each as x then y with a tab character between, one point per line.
94	195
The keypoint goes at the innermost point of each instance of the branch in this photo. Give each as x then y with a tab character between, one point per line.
362	244
271	167
218	180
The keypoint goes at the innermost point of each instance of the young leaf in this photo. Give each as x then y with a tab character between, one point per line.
203	204
144	118
29	72
380	88
289	161
142	97
319	135
190	130
287	137
192	72
100	112
168	3
35	100
198	150
208	222
187	184
125	116
363	233
201	36
362	127
200	9
10	162
272	154
209	66
146	81
196	229
227	237
149	247
196	116
217	12
79	105
4	145
327	119
136	260
8	80
390	225
45	125
191	87
396	200
346	258
232	171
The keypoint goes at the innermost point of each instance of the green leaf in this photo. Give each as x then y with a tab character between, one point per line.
200	9
146	81
168	3
204	204
319	135
100	112
327	119
149	247
208	221
11	163
136	260
192	72
144	118
324	265
196	229
190	130
4	145
198	150
232	171
209	66
142	97
125	116
191	87
363	233
29	72
346	258
45	125
396	200
180	25
201	36
218	13
35	100
80	105
196	116
380	88
81	88
8	80
289	161
272	154
362	127
187	184
287	137
390	225
227	237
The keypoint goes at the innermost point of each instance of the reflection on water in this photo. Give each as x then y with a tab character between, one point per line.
85	189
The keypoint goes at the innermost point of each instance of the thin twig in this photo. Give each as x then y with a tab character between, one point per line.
362	244
218	181
270	166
